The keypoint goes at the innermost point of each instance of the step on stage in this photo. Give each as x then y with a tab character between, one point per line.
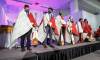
67	52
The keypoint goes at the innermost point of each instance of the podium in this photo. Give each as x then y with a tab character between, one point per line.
5	35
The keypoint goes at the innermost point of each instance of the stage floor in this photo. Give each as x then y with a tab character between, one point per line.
16	54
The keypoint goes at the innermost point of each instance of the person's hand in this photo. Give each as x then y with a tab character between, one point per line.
32	23
50	23
44	30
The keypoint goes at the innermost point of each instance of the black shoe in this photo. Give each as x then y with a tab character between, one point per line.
29	49
44	45
35	45
22	49
51	46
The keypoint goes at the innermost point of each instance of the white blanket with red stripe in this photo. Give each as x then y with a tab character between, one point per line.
22	26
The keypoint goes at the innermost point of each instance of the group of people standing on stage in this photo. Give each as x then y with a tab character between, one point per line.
50	28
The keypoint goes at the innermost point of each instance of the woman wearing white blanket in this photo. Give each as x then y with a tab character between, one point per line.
62	29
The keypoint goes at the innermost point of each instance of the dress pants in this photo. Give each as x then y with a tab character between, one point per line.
49	32
28	41
63	31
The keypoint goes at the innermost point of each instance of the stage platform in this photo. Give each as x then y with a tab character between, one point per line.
92	56
66	52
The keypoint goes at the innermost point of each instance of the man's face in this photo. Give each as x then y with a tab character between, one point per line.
81	20
70	17
50	11
60	13
27	9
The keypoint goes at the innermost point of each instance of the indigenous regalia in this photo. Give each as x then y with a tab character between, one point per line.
75	32
23	25
88	32
69	24
61	25
34	30
80	30
97	33
47	21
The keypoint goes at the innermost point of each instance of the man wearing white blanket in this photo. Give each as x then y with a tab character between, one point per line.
47	28
23	28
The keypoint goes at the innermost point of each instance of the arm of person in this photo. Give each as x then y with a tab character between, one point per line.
49	23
